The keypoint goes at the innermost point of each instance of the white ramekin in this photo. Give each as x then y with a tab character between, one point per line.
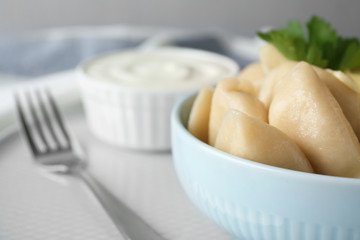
130	117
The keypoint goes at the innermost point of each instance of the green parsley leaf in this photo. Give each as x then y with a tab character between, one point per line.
351	56
323	47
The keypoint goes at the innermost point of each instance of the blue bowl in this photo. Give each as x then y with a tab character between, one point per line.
257	201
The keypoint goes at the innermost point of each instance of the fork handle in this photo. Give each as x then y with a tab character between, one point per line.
130	225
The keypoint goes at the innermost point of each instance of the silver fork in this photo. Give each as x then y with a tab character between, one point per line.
53	147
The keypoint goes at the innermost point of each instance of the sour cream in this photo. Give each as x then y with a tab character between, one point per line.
163	68
128	96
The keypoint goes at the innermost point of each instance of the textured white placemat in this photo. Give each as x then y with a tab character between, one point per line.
36	205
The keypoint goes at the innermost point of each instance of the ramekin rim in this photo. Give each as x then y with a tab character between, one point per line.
117	87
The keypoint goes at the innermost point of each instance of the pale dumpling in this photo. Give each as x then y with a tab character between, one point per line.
355	75
247	86
254	75
228	95
345	79
252	139
271	58
345	94
304	109
198	124
266	91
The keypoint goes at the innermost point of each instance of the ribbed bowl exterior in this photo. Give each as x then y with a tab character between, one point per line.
248	223
128	118
254	201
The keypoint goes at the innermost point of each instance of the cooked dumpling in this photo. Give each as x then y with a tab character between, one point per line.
271	58
355	75
346	79
345	94
228	95
198	124
254	75
252	139
245	85
266	91
304	109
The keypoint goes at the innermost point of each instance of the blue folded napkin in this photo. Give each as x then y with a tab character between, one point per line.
33	56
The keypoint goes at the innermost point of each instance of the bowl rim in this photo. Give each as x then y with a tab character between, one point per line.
238	161
230	63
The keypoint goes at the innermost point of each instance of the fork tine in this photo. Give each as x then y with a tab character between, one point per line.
25	125
37	124
58	117
47	121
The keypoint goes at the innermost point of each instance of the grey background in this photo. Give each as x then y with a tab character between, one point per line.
234	16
